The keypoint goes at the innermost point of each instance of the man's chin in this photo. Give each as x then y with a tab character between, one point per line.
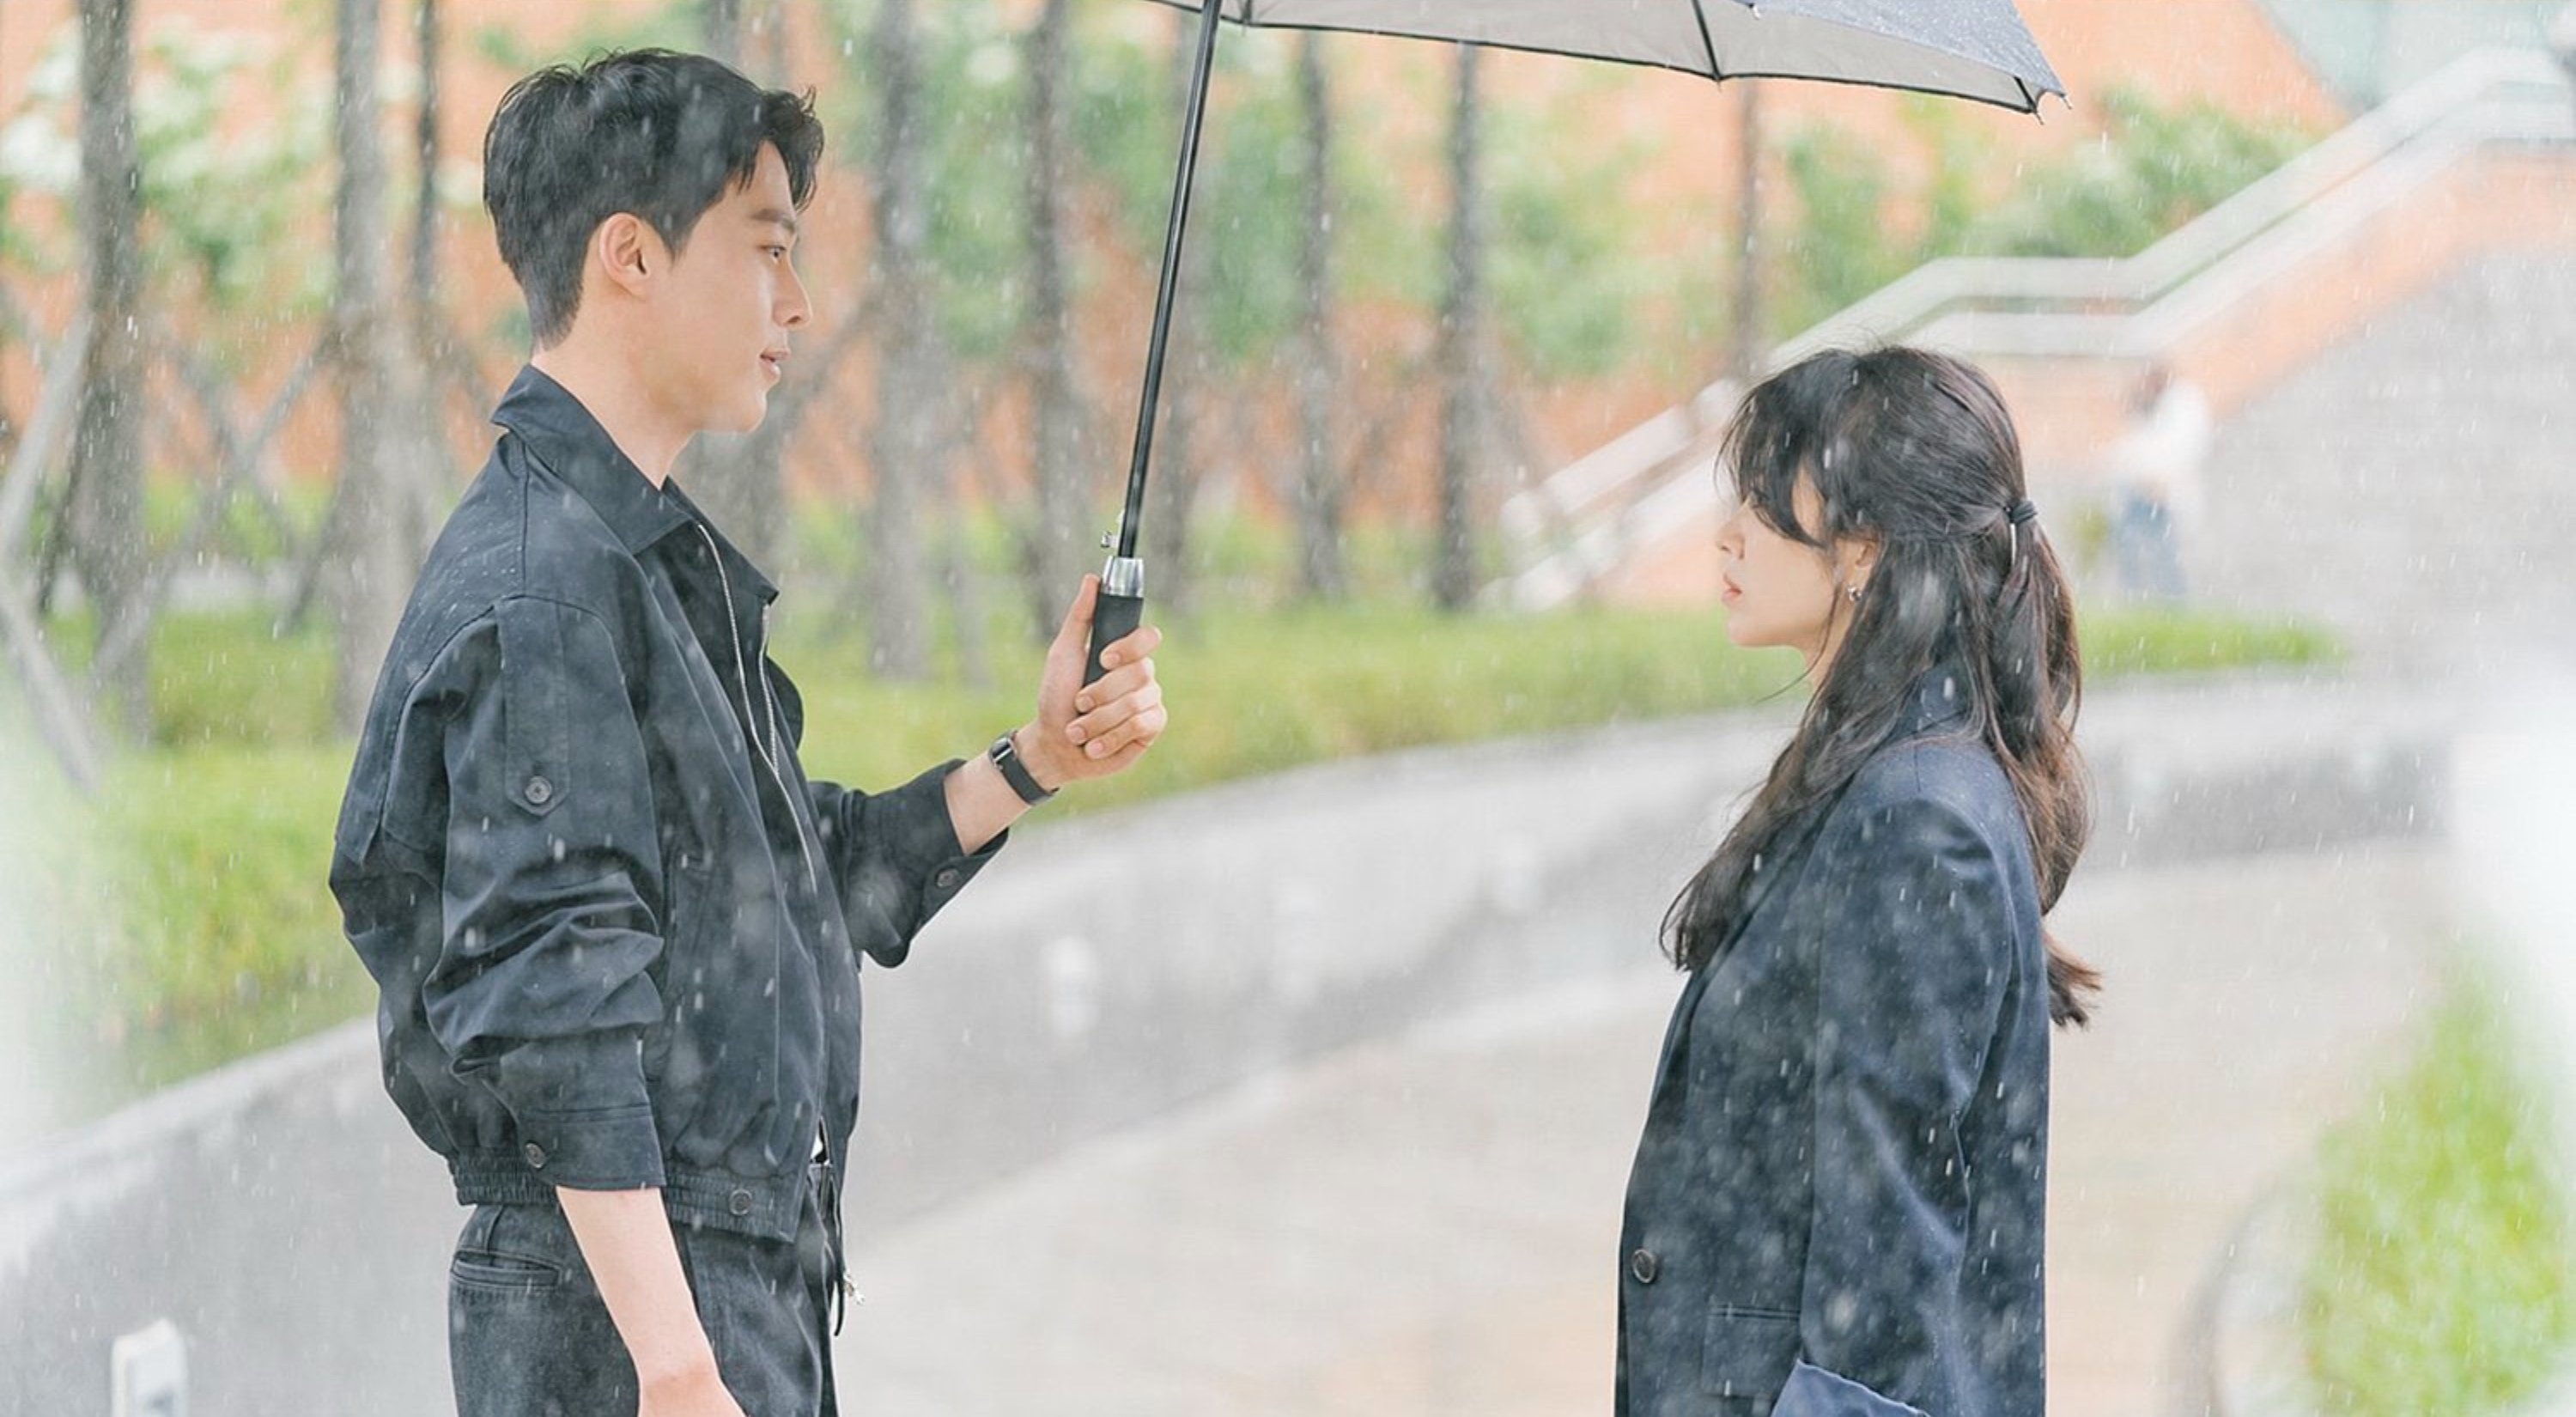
745	417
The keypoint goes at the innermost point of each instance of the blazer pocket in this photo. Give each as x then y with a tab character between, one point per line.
1813	1392
1748	1352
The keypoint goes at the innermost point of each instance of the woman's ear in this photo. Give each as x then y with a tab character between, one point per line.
1856	557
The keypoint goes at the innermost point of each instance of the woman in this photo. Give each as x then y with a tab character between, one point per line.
1837	1206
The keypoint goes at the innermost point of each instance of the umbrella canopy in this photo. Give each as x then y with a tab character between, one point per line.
1975	49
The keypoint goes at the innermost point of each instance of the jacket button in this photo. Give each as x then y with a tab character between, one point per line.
739	1203
1645	1266
540	791
946	880
536	1155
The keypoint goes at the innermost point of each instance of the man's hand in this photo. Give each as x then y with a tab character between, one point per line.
1086	731
698	1392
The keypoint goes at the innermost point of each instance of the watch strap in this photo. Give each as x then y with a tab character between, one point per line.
1006	756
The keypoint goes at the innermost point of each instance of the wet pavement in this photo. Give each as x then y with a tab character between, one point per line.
1426	1225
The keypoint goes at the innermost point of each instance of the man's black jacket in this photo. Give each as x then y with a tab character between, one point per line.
614	926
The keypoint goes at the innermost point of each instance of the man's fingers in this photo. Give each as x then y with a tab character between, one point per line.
1129	740
1134	647
1105	730
1117	684
1077	616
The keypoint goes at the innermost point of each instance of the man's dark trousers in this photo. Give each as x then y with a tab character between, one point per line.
523	1316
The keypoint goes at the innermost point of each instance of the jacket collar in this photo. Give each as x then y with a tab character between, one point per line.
581	455
578	451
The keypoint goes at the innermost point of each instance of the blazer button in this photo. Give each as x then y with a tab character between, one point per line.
946	880
739	1203
540	792
1645	1266
536	1155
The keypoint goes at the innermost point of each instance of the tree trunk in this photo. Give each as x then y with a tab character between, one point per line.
1056	545
1320	489
416	374
1463	400
720	24
1752	343
369	563
907	446
741	479
1172	492
104	521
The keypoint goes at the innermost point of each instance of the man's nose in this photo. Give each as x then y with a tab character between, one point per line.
794	310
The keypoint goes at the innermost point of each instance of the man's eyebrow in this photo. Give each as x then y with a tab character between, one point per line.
772	216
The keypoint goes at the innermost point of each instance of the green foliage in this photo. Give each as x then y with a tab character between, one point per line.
1249	199
672	24
1840	249
2126	641
192	923
1566	277
220	202
2153	169
2441	1285
975	159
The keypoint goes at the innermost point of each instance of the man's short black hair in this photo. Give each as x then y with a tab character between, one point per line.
662	135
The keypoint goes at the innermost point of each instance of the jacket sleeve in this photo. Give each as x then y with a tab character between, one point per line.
1911	946
542	987
895	858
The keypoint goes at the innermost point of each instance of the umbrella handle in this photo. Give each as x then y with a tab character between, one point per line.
1118	610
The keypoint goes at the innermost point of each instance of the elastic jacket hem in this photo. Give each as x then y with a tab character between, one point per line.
763	1207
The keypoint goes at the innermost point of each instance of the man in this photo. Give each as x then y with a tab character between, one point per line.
615	927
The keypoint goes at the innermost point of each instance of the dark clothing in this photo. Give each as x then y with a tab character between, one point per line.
615	928
1838	1203
530	1336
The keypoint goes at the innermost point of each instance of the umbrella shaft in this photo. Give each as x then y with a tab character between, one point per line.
1134	516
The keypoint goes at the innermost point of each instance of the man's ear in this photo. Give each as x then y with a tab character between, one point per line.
629	253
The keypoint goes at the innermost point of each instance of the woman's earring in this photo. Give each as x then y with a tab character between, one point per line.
1854	593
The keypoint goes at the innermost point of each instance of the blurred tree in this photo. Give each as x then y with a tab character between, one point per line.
1322	573
1752	342
741	479
103	526
909	440
1465	369
369	550
1181	464
1055	540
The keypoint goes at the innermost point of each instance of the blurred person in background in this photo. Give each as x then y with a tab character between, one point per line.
1838	1205
616	929
2153	471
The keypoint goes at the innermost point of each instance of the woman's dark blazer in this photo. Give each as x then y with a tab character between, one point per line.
1838	1203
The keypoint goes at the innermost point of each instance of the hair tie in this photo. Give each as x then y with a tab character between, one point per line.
2023	512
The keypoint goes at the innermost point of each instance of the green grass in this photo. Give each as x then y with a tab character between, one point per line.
2440	1287
194	905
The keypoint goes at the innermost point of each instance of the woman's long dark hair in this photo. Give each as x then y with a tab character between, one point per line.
1915	451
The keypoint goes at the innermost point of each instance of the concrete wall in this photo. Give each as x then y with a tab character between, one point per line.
1107	972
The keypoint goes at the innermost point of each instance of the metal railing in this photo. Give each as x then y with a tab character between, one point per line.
1578	524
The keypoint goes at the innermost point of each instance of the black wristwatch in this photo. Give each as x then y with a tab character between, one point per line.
1006	756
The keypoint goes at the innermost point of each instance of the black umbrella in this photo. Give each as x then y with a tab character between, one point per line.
1973	49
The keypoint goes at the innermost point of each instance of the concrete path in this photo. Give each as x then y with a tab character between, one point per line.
1425	1226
